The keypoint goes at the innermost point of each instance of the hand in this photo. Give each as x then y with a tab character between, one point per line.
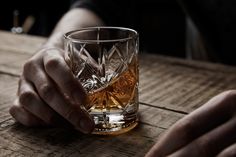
208	131
48	93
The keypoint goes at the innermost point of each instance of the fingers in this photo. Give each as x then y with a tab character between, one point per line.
228	152
211	143
214	113
52	96
60	73
30	100
23	116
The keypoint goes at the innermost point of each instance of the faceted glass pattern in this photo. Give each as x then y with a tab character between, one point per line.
105	62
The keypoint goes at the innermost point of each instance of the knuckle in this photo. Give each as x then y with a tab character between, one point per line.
186	126
26	98
46	91
52	63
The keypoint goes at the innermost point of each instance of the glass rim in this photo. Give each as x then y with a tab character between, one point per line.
133	36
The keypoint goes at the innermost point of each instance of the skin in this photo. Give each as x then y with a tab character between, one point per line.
49	95
208	131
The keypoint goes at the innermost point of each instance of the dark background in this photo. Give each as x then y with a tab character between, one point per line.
45	12
166	33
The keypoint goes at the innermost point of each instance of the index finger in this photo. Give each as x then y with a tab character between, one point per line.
215	112
49	93
62	75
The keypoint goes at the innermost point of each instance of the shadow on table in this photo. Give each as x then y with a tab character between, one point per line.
68	142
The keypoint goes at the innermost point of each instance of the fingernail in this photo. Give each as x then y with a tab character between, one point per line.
86	125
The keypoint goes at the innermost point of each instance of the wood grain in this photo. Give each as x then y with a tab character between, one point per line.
181	85
170	88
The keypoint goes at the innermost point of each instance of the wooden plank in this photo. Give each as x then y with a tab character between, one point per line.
192	81
169	89
10	42
160	118
182	85
8	87
17	140
21	141
12	62
192	64
15	50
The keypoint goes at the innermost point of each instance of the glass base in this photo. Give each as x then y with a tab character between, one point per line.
113	124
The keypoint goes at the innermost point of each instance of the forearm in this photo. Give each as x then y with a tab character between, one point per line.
72	20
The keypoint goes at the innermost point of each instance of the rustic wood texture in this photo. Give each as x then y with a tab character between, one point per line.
170	88
182	85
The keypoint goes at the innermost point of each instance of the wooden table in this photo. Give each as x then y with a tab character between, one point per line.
170	88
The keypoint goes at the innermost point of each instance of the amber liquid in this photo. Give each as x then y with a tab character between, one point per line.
116	95
114	107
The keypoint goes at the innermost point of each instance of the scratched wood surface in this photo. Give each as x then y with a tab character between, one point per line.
170	88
